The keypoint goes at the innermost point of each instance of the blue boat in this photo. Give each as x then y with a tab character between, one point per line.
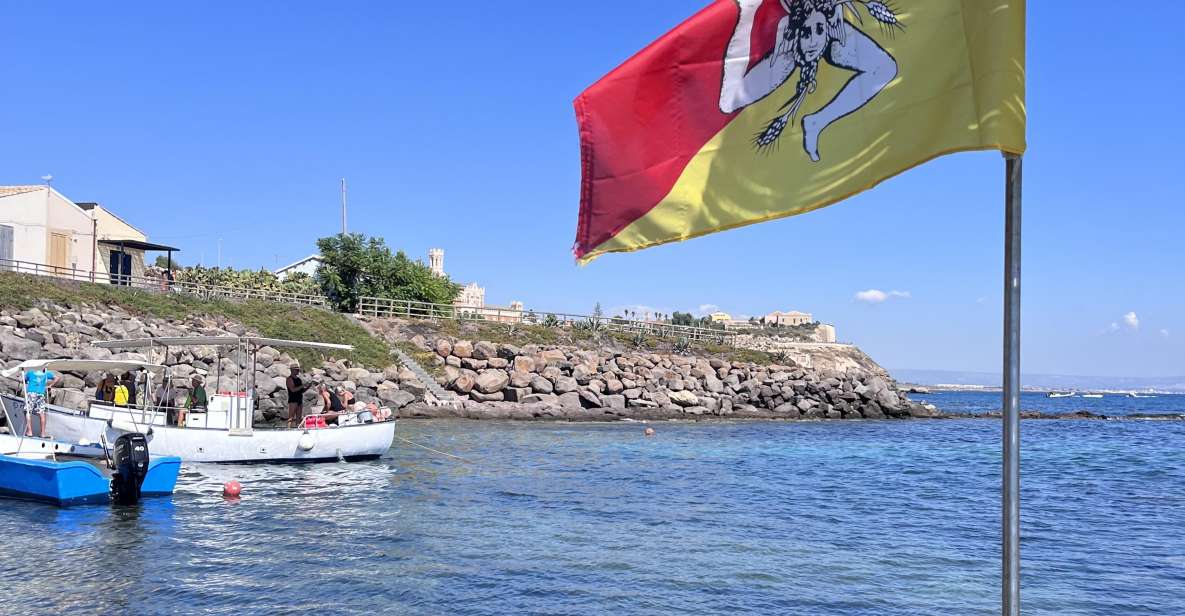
66	474
79	481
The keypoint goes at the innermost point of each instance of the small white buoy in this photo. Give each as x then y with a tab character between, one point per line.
307	441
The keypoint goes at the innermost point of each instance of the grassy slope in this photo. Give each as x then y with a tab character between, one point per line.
273	320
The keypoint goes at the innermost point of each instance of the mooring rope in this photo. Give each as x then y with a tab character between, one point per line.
433	450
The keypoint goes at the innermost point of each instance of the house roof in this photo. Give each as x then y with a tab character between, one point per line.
7	191
299	263
138	245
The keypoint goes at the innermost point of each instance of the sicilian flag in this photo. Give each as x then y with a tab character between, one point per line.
759	109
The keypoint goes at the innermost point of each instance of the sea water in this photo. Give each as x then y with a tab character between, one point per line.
853	517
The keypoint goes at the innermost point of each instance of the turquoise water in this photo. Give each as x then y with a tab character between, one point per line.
870	518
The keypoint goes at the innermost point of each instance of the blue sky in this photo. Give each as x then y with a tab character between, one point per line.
453	124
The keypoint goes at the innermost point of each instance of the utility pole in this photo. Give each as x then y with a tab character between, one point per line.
343	207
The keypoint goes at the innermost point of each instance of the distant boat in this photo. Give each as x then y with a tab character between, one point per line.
1135	395
1092	395
1061	394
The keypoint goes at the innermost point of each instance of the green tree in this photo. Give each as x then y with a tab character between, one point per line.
682	318
355	266
162	262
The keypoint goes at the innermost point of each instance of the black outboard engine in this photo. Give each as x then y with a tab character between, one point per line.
130	460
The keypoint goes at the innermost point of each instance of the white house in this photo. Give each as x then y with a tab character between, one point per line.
308	265
43	229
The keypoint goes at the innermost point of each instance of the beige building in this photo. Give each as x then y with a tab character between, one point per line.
720	317
787	319
472	296
825	332
120	247
41	230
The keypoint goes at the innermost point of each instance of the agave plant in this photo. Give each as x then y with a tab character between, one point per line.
551	321
683	345
639	340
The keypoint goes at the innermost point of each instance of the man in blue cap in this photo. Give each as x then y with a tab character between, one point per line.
37	384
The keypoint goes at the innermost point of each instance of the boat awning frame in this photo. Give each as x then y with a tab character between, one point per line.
139	343
138	245
85	365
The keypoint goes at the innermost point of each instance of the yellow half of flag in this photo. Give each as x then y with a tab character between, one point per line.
772	108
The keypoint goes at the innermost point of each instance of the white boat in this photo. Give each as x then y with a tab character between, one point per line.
1133	394
1092	395
224	432
1061	394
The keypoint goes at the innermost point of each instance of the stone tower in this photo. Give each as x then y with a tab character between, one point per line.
436	261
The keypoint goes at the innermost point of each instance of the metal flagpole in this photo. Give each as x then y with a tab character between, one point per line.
343	206
1010	497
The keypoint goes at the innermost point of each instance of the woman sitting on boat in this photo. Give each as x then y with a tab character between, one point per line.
333	402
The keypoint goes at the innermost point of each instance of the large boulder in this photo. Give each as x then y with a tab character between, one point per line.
541	385
357	374
565	384
522	363
464	383
32	317
485	350
16	347
684	398
492	381
444	348
463	349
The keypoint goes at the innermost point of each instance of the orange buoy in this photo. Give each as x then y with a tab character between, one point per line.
232	489
649	432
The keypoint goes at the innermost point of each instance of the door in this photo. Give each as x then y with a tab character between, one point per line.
120	267
59	251
6	248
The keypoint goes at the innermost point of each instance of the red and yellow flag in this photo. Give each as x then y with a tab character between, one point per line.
758	109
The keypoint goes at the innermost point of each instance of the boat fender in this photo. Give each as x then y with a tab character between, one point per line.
307	442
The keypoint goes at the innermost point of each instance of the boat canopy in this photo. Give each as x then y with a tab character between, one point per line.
137	343
84	365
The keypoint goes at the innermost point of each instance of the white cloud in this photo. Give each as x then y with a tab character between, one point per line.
706	309
1164	333
876	296
1113	327
1131	320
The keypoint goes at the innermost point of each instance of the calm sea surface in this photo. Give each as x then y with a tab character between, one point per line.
723	518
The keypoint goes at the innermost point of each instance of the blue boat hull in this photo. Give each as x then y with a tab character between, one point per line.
77	483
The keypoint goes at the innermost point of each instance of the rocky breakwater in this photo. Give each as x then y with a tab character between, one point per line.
533	382
51	331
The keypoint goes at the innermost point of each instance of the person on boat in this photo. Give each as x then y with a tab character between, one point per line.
332	404
37	385
197	400
121	392
129	381
296	389
105	390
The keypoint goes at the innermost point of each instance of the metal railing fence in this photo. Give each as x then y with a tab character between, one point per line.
383	307
162	285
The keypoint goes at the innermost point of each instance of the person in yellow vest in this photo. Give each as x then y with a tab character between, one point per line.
122	394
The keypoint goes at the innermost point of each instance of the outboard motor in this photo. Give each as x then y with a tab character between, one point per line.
130	459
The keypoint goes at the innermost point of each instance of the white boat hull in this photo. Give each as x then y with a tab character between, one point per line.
353	442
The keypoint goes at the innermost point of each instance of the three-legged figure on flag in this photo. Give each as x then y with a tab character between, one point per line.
811	30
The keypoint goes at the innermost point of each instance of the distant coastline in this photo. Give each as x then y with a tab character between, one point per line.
953	380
